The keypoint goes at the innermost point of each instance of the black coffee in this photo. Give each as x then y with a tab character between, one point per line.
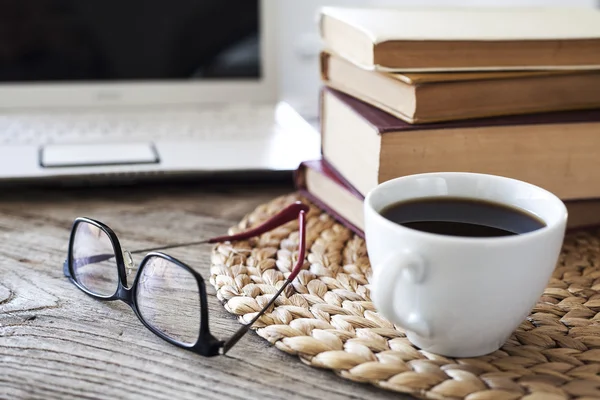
462	217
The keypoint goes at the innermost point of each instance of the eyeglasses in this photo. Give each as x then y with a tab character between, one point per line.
167	295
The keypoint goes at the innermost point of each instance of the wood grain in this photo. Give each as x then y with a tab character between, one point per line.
58	343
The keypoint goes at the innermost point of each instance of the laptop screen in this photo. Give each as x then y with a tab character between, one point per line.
128	40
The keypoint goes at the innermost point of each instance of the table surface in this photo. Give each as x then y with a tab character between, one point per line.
58	343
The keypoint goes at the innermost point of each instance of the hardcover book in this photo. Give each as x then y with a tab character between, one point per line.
327	189
439	39
322	185
446	96
557	151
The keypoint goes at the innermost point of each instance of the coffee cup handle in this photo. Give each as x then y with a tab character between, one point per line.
404	264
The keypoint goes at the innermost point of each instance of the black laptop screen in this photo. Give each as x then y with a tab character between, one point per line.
124	40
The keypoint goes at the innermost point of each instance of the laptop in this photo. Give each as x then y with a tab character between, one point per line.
107	90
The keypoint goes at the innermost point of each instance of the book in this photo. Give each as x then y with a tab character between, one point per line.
444	96
557	151
322	185
438	39
327	189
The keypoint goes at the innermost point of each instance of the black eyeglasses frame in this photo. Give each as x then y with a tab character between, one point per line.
206	344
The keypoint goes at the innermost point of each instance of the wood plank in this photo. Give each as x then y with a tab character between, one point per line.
57	343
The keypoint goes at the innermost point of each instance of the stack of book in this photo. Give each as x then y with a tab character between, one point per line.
499	91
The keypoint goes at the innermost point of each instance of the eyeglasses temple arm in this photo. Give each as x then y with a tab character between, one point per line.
245	328
299	263
284	216
81	262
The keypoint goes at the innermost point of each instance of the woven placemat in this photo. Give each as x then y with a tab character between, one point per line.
328	321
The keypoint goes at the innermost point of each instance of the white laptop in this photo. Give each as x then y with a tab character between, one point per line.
107	89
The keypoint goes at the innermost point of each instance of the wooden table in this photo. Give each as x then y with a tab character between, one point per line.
58	343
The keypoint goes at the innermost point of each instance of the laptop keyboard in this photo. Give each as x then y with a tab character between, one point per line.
182	123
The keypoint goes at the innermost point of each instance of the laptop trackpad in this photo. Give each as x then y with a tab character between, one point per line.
95	154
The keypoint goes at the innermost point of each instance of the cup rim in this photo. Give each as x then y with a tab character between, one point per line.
561	221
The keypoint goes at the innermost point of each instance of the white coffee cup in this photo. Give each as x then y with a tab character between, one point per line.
460	296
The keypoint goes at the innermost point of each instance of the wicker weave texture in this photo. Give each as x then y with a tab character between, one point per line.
327	319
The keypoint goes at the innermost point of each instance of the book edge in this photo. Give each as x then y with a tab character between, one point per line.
300	180
523	120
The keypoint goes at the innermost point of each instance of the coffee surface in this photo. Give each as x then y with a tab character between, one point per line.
462	217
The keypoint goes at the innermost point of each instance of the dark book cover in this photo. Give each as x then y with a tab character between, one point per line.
384	122
325	169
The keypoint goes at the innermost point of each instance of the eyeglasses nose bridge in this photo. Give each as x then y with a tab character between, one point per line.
128	259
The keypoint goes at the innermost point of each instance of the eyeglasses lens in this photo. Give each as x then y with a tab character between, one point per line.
168	298
93	260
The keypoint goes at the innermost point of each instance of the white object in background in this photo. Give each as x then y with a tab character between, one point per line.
73	130
299	43
460	296
62	155
91	145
